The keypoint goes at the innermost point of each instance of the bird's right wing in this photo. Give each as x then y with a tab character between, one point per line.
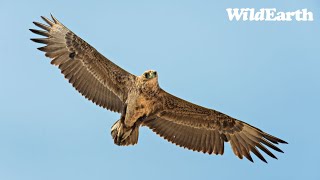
93	75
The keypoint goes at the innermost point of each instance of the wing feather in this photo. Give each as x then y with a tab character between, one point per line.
201	129
93	75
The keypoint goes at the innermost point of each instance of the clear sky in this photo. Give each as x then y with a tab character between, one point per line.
264	73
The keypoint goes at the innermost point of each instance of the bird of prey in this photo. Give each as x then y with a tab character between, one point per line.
142	102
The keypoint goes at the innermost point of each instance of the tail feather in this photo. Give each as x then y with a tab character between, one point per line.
132	139
121	135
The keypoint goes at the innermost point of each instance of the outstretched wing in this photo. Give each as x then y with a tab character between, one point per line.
93	75
201	129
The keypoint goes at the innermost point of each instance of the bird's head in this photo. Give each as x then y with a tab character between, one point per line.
149	82
150	74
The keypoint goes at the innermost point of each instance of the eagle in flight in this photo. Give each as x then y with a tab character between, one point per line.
141	101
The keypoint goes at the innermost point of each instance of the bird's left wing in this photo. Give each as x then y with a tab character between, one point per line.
93	75
201	129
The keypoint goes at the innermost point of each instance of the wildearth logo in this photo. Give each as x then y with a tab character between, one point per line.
264	14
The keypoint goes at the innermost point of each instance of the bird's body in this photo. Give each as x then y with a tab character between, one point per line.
141	101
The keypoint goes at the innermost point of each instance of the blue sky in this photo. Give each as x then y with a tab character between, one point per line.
264	73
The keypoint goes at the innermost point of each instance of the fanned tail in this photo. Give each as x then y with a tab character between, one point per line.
123	136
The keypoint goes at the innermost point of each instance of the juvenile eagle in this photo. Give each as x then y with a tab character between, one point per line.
141	101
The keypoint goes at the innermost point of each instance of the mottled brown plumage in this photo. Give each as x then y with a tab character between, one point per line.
142	102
